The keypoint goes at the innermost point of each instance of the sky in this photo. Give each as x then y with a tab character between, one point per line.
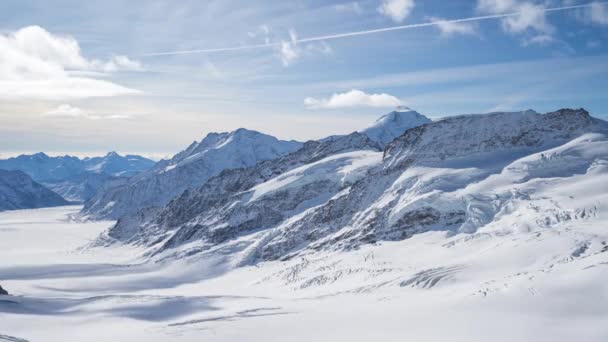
151	76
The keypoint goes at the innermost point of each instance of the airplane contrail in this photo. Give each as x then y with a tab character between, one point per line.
366	32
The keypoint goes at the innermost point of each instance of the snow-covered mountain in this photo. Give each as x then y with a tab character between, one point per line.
217	191
393	124
43	168
186	170
19	191
82	187
116	165
389	126
458	174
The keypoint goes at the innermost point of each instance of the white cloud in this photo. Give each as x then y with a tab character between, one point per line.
65	110
599	13
530	17
68	111
541	39
289	53
119	63
496	6
397	10
289	50
36	64
451	28
353	98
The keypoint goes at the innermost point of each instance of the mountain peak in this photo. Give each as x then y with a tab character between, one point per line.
394	124
403	109
41	155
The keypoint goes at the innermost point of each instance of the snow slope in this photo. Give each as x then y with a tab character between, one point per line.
187	169
19	191
499	284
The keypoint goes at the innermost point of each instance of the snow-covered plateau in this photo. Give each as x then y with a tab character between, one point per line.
472	228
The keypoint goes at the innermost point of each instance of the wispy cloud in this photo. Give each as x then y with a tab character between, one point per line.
520	71
531	18
69	111
350	7
288	50
370	32
35	64
353	98
448	28
599	13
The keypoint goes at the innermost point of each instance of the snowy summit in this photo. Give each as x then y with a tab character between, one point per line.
393	124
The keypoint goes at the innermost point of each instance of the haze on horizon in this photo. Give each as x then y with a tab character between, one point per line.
86	78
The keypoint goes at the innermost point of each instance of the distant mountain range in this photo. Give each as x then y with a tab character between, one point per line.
73	178
19	191
43	168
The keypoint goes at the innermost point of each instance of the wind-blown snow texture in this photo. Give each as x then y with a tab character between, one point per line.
19	191
187	169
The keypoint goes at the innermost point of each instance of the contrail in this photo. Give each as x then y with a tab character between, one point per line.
366	32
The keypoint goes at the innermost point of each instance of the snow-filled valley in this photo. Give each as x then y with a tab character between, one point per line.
497	284
469	228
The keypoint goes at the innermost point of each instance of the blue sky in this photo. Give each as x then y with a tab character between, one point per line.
86	77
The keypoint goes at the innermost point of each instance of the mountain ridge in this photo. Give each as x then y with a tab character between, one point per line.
187	169
394	198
